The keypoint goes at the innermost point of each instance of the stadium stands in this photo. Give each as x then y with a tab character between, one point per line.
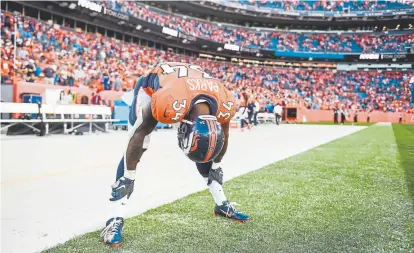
319	5
56	55
393	42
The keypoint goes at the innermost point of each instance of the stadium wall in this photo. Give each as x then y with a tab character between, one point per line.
40	89
375	116
302	114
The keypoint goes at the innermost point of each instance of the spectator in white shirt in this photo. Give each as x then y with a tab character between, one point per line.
278	113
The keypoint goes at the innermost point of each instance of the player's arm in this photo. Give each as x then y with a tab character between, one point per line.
135	146
125	185
225	127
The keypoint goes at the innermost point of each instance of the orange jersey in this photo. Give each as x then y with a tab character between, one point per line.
175	88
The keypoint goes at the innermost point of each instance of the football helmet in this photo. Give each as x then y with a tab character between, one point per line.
201	140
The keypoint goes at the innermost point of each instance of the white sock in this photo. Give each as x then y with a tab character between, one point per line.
215	166
119	207
130	174
217	192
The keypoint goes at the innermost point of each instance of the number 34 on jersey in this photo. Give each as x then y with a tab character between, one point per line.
222	114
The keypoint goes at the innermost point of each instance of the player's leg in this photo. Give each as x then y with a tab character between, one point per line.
250	117
242	124
213	175
255	118
241	113
214	181
113	231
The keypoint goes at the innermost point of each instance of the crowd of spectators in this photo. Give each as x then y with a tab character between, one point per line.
330	5
55	55
281	41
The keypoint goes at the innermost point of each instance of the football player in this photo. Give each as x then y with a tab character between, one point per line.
177	93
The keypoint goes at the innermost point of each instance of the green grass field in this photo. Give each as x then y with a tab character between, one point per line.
354	194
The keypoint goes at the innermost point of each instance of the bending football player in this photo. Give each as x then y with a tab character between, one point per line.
177	93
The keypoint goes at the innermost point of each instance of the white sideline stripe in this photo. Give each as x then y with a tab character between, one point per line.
383	124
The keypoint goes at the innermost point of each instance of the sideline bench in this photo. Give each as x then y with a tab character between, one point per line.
66	118
262	117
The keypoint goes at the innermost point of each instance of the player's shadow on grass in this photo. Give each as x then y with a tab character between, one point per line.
404	135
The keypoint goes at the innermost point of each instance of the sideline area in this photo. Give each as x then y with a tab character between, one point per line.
58	187
347	195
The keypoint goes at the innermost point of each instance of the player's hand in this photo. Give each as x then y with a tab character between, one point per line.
123	187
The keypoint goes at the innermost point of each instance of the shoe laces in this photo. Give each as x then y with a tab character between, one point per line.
231	206
112	228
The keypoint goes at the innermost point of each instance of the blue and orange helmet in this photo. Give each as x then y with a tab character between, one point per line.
201	140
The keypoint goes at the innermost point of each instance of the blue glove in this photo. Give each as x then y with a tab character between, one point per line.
123	187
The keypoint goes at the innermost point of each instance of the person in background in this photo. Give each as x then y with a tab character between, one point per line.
106	81
61	97
74	96
256	110
31	78
70	97
245	96
250	110
343	116
65	99
96	99
63	76
49	75
84	100
278	113
270	107
29	70
70	79
38	69
336	111
244	122
56	78
356	117
244	111
118	82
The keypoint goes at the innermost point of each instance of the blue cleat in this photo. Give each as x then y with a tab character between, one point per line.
112	234
228	210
